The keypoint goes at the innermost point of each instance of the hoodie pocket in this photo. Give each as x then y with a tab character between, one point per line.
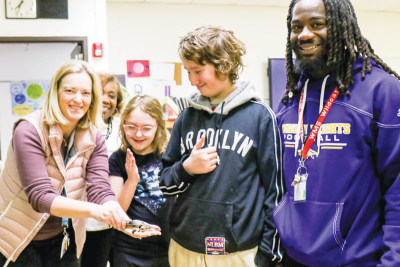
310	231
193	220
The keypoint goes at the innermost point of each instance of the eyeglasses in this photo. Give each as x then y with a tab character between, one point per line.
145	130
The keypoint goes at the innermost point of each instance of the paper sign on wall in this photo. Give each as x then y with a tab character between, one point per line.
27	96
163	71
138	68
137	86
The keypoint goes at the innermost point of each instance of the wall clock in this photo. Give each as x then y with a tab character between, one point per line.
21	9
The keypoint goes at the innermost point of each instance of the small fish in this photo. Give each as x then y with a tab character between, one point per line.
141	226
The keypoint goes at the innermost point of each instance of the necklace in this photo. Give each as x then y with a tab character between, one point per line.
109	128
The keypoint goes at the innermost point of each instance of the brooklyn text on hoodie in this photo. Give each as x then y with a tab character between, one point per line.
234	202
241	143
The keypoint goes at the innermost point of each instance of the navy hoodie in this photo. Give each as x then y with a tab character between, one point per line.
351	216
235	200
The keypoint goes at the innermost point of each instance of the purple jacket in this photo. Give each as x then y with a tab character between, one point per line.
351	216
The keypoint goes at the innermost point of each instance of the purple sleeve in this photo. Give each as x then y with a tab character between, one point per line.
98	188
35	180
32	169
387	157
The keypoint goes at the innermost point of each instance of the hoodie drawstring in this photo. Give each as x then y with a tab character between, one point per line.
219	125
321	106
298	137
301	114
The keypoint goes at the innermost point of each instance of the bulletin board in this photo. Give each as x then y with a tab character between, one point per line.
277	81
27	96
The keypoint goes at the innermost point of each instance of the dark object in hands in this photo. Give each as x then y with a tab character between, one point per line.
141	226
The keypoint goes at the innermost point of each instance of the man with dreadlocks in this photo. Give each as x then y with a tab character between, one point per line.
340	123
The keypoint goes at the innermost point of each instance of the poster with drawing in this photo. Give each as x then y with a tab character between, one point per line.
27	96
138	68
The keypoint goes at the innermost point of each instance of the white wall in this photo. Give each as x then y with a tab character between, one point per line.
85	18
152	31
18	64
381	29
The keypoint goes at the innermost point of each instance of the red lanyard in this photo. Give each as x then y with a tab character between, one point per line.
314	132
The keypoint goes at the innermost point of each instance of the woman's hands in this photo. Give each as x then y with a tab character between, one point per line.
111	213
200	160
131	168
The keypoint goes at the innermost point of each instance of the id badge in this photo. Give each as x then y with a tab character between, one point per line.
300	188
64	244
215	246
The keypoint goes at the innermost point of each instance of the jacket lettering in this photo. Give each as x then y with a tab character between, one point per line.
213	139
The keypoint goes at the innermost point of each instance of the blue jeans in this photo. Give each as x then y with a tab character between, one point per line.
46	253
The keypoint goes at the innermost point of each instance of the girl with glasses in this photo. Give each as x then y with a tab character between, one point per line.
134	177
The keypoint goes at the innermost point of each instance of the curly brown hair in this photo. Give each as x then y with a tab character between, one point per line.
151	106
216	46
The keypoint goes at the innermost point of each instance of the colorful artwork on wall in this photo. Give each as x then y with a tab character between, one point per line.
138	68
27	96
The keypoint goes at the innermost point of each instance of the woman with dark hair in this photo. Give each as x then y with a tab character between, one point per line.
99	235
112	107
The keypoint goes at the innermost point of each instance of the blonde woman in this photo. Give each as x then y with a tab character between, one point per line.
56	160
134	178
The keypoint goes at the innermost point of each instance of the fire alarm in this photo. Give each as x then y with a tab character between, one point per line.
97	49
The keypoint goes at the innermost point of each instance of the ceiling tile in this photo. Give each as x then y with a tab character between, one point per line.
358	3
395	9
127	1
215	2
258	2
284	3
367	5
169	1
378	5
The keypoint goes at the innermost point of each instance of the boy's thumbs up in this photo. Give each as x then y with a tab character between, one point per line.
200	143
201	160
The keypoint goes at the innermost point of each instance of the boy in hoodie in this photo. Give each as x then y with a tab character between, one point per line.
340	125
223	160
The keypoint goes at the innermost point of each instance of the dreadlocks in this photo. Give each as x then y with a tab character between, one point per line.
345	43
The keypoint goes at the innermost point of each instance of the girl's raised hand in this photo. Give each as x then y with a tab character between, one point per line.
131	168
